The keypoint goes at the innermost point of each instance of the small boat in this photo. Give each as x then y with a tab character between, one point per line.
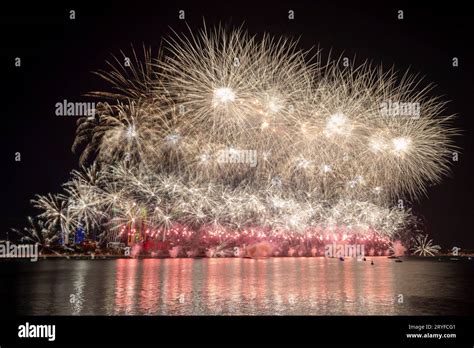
372	262
341	259
393	257
398	260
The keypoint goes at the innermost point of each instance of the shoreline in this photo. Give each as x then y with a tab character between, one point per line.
467	257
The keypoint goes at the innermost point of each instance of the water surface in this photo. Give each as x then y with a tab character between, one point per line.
233	286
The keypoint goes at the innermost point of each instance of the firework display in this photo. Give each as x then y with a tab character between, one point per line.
225	139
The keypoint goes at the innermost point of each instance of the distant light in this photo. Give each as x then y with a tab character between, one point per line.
327	168
274	104
172	139
401	145
337	124
131	132
204	158
223	95
377	144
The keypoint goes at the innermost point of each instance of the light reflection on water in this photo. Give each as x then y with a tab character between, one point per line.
232	286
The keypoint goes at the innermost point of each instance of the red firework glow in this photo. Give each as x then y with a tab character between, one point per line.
215	241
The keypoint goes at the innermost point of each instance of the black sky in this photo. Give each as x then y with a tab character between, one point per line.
58	56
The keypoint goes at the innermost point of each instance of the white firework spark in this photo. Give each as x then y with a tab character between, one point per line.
55	214
425	247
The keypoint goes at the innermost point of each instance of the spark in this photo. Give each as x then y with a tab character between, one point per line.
424	246
223	95
401	145
326	168
337	124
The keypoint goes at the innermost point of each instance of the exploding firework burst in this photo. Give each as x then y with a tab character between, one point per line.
223	130
424	246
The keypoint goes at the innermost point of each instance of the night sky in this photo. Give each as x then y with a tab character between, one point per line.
58	56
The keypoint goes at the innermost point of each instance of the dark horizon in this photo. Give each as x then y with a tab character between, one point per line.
58	56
